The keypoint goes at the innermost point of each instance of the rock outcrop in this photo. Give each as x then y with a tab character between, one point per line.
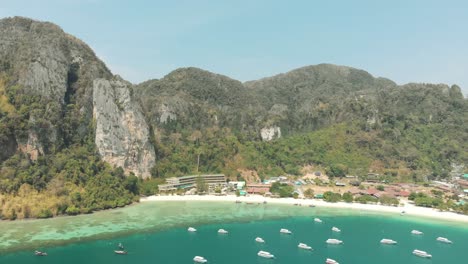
270	133
122	135
43	61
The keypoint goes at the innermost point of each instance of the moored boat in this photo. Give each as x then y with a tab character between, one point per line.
191	229
336	229
200	259
40	253
416	232
444	240
265	254
331	261
422	254
317	220
304	246
222	231
259	240
285	231
334	241
388	241
120	252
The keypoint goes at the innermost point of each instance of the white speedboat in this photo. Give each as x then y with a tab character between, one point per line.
388	241
331	261
416	232
334	241
265	254
336	229
422	254
259	240
120	252
317	220
444	240
222	231
200	259
40	253
191	229
304	246
285	231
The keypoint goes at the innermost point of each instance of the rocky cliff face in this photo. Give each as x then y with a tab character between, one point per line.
57	73
45	62
122	135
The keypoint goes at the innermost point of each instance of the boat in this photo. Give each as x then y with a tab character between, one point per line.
317	220
120	252
304	246
336	229
422	254
259	240
265	254
191	229
200	259
40	253
388	241
444	240
285	231
416	232
237	201
331	261
334	241
222	231
311	205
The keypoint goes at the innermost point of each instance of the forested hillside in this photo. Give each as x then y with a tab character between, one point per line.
327	115
75	138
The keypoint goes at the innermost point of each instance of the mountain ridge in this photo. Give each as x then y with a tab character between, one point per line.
78	138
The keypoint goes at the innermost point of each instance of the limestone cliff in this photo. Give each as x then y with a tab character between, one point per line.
122	135
40	60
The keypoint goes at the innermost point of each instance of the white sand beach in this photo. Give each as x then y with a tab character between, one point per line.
409	209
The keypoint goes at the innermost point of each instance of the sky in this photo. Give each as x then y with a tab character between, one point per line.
406	41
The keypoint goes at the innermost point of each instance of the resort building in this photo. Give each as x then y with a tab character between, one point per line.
190	181
237	185
258	188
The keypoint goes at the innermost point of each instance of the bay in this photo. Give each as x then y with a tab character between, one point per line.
156	232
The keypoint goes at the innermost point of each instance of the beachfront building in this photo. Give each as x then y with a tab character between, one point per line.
237	185
190	181
258	188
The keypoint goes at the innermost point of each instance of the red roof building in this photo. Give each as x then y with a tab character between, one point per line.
256	188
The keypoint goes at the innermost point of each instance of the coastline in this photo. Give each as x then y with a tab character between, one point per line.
410	209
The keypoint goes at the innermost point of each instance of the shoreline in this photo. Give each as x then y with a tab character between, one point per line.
410	209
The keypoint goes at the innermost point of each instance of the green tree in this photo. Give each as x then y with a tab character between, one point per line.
331	197
202	187
131	184
348	197
309	193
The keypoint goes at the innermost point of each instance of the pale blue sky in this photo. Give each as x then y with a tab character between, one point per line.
406	41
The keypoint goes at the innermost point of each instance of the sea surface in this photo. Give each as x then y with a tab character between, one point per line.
156	232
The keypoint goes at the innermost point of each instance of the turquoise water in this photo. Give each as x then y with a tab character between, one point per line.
156	233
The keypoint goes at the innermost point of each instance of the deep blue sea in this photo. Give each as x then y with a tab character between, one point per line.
361	233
